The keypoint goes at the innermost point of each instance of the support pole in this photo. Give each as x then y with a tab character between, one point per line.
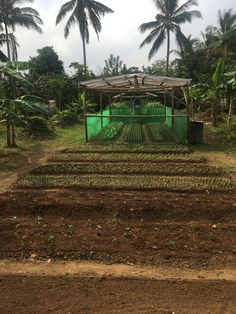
172	108
85	115
186	97
101	101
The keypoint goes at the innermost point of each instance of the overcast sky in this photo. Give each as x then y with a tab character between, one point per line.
119	34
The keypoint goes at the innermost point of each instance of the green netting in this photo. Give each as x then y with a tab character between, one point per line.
154	111
181	126
122	112
168	118
105	121
93	126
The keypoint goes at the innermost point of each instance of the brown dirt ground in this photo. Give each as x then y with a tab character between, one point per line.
43	294
186	230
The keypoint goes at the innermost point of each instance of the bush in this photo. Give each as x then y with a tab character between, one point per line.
221	135
65	117
39	126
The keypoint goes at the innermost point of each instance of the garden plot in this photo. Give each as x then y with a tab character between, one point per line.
160	133
126	157
129	148
82	168
129	168
127	182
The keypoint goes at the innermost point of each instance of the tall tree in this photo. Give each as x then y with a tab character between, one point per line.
11	16
46	62
168	20
227	26
83	12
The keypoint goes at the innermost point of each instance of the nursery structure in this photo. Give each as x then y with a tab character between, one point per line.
162	124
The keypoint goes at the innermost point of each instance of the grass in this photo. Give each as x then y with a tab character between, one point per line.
65	137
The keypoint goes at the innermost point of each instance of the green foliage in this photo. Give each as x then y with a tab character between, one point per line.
153	104
38	126
134	133
168	19
120	105
111	130
46	62
65	117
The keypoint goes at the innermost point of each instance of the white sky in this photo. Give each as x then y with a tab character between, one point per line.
119	34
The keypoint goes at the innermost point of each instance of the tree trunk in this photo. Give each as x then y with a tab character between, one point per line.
168	53
230	111
84	54
13	136
214	114
8	45
8	134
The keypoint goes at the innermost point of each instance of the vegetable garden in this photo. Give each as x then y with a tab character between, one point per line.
144	168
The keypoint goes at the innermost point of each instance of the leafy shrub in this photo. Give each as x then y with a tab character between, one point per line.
120	105
65	117
153	104
221	135
39	126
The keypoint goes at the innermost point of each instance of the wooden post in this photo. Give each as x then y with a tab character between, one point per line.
186	96
172	108
101	101
85	115
165	103
110	102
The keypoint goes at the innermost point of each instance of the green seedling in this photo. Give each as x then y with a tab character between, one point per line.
141	221
114	222
114	240
50	239
39	220
203	246
71	229
62	221
172	244
99	230
14	219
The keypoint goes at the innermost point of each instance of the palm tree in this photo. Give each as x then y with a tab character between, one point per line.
83	12
11	15
168	19
12	43
227	28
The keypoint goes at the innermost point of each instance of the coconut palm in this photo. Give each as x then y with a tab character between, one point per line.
227	28
11	16
83	12
168	20
12	43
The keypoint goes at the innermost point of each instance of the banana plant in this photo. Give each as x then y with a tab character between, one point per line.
215	88
13	105
230	87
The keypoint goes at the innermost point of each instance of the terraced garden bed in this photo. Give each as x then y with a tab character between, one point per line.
128	182
129	148
126	157
134	133
110	131
129	168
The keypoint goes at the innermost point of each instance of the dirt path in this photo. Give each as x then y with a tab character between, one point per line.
90	269
104	295
223	160
26	162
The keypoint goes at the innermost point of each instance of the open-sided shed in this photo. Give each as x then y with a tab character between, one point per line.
137	86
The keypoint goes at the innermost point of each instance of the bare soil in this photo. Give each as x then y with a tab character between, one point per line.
181	231
43	294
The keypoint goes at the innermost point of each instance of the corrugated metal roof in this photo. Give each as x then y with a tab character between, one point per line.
139	82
